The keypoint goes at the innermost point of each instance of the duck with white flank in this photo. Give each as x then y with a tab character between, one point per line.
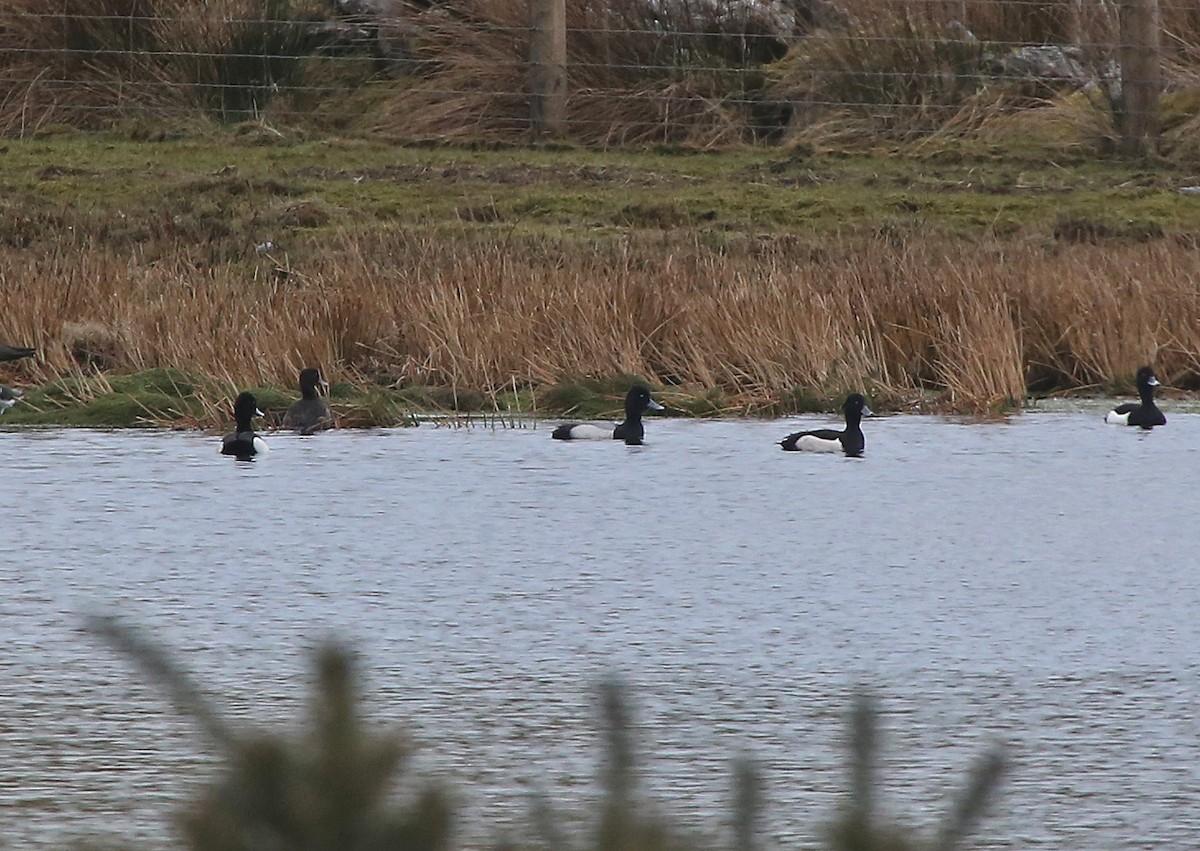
850	440
637	402
244	444
1145	413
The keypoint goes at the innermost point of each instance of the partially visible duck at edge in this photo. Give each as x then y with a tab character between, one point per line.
850	440
1145	413
244	444
310	413
8	397
637	402
8	352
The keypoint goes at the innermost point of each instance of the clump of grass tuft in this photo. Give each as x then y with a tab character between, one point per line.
376	406
589	397
332	786
93	64
897	74
800	400
627	821
860	829
640	72
94	345
442	398
88	397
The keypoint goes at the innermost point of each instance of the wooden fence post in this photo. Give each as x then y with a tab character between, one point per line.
1141	75
548	67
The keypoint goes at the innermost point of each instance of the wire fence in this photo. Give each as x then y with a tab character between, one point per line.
705	72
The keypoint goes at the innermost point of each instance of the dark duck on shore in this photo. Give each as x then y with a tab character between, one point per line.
850	440
8	352
637	402
310	413
1144	413
244	444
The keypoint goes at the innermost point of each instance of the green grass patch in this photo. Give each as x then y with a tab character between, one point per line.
214	187
160	398
590	397
152	398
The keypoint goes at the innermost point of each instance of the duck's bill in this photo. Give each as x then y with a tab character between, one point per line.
654	406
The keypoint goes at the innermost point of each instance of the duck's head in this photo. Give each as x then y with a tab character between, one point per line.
638	401
245	408
1146	378
311	383
856	406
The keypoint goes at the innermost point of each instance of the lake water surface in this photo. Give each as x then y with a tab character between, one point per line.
1031	582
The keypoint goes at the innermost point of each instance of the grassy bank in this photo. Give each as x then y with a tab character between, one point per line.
505	280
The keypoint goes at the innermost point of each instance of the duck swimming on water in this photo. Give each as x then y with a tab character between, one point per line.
309	413
637	402
243	443
850	440
1144	413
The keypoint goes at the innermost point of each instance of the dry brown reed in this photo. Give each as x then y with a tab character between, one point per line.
89	63
639	71
643	72
1082	22
79	61
977	326
663	72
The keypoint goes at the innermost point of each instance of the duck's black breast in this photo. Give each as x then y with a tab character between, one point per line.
240	444
631	431
853	442
1146	416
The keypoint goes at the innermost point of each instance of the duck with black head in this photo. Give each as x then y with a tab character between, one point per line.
1144	413
849	440
243	443
637	402
310	413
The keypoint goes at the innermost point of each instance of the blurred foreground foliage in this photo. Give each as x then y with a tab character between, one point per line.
333	787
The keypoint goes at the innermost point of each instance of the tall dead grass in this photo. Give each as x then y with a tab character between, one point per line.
639	72
1015	22
696	73
89	63
977	326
